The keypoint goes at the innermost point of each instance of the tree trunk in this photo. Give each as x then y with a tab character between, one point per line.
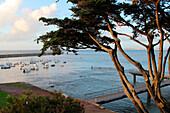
128	88
169	65
161	105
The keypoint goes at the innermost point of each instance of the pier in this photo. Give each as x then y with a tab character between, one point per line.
109	95
22	55
137	73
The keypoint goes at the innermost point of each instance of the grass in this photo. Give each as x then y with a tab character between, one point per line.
17	84
3	99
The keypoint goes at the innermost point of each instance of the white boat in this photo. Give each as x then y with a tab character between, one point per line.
32	67
45	66
36	67
5	67
13	65
26	70
21	66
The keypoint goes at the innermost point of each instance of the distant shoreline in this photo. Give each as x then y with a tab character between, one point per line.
22	55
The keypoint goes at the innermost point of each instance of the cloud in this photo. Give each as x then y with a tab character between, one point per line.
10	6
8	10
43	11
22	24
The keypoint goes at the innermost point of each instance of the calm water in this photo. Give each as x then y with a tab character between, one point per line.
77	78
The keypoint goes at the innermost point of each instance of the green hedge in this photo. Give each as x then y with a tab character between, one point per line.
31	103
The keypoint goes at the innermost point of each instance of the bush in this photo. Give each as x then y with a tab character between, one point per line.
31	103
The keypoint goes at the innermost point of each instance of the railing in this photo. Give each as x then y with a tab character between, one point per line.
96	94
103	92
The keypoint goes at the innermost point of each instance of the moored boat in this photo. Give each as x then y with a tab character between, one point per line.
26	70
5	67
45	66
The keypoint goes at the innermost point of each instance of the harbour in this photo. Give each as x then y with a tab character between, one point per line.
76	78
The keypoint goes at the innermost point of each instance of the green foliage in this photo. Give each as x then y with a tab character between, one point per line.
90	16
31	103
3	99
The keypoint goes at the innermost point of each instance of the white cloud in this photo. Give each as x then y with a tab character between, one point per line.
22	24
8	10
43	11
10	6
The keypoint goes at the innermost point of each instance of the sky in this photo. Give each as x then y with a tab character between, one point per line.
20	25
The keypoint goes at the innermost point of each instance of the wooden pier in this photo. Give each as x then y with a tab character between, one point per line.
113	94
137	73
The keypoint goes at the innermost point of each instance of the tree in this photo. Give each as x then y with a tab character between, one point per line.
146	18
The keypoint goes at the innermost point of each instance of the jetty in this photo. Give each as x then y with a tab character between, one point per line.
137	73
22	55
113	94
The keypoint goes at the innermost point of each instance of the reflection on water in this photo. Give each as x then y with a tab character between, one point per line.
76	78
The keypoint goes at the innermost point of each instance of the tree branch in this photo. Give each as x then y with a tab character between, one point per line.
167	38
98	43
128	24
164	63
133	39
149	64
161	41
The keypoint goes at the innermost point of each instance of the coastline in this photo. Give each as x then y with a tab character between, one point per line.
22	55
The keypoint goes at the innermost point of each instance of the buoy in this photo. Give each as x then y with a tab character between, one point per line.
100	68
52	86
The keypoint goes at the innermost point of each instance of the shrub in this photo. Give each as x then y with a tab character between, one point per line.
31	103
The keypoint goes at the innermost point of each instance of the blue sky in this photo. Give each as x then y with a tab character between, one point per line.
19	25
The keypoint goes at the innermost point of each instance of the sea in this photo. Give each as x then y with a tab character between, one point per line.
77	75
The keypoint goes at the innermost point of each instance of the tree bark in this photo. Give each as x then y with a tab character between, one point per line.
169	65
128	88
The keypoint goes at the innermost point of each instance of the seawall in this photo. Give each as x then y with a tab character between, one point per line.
22	55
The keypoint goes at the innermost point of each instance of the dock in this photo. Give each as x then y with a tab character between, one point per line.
109	95
137	73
